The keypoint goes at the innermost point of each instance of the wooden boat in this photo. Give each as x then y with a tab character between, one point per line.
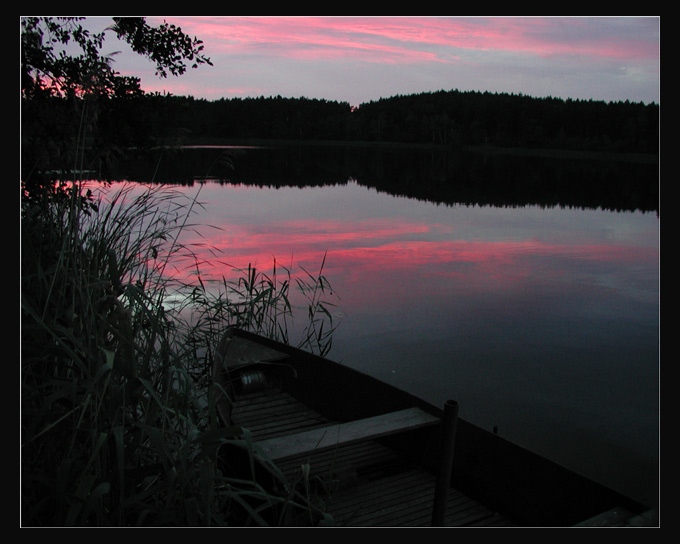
365	453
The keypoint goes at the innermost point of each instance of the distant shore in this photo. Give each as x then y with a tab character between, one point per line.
640	158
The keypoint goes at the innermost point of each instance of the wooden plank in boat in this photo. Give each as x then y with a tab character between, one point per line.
343	433
405	499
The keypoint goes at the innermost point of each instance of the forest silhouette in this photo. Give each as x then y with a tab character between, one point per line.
437	126
445	118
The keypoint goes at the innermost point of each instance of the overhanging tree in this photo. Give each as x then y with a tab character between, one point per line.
48	69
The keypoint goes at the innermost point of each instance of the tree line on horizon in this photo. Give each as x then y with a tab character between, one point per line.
444	118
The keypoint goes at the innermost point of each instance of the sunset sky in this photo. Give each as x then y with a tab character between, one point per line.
360	59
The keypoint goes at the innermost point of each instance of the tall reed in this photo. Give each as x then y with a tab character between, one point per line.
118	424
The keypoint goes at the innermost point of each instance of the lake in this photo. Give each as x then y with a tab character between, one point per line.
527	289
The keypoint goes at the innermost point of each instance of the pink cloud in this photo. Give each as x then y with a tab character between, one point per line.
418	39
306	38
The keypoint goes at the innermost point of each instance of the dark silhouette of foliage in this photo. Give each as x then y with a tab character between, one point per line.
166	45
47	68
447	118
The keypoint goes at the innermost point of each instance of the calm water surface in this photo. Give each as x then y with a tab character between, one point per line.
540	321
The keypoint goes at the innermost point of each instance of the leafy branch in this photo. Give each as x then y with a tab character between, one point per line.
47	69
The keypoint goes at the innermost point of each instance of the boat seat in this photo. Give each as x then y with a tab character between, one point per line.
284	447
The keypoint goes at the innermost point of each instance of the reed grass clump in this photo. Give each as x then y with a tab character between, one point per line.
117	419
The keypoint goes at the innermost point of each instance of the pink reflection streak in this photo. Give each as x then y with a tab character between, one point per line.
403	250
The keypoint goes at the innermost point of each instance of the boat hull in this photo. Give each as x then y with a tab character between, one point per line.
524	487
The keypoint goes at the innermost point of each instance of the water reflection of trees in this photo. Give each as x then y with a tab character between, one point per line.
441	176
